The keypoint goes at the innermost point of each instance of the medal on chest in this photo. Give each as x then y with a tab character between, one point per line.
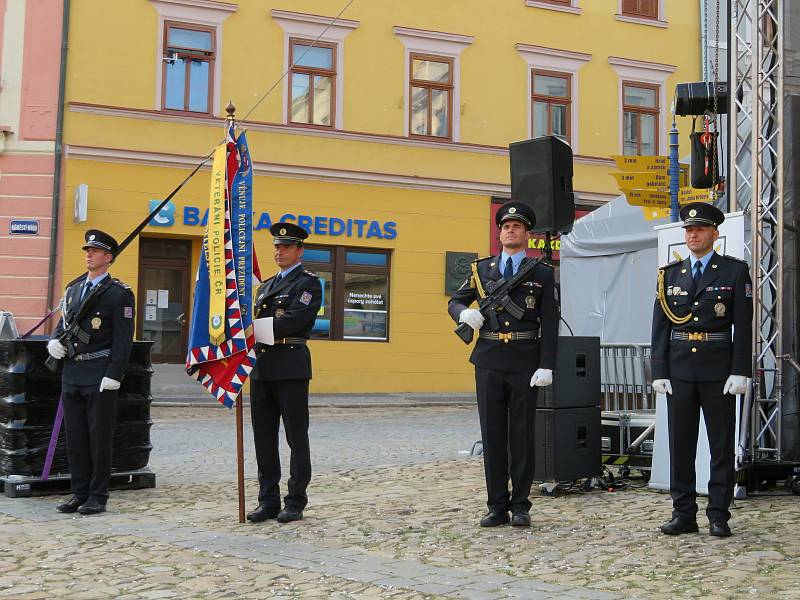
530	301
96	322
719	309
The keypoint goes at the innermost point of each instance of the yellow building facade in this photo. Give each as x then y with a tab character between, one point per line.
387	139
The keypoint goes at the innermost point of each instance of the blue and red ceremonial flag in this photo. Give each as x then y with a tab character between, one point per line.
221	337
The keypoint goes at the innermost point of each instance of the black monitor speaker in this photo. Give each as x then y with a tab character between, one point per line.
576	378
541	176
567	443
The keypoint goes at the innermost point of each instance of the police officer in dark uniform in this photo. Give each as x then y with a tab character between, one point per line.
92	372
510	364
285	309
701	358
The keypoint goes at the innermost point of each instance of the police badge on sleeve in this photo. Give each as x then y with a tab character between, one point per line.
305	298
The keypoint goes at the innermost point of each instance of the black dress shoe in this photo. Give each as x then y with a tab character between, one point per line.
520	519
92	507
495	518
677	526
719	529
289	514
71	505
262	513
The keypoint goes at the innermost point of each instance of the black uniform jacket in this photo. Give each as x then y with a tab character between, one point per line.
536	294
293	301
723	300
109	323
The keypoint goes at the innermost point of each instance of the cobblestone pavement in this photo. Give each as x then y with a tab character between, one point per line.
406	528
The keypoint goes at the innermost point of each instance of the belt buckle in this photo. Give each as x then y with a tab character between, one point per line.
697	337
505	337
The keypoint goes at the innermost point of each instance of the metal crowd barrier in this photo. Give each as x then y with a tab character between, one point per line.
626	378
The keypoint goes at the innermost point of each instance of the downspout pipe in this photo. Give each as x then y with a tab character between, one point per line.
58	158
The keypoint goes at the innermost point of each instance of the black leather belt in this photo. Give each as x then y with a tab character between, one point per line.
508	337
291	340
701	336
92	355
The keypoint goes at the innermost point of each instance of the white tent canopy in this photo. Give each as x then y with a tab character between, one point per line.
608	274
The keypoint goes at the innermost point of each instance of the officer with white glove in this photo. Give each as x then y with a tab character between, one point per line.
542	378
472	317
735	385
92	371
701	358
56	349
524	342
662	386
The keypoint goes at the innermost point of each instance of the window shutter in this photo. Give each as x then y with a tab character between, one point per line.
649	8
630	7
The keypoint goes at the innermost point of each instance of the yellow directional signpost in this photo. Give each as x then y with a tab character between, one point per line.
645	182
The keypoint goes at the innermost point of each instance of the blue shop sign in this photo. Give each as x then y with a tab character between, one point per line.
23	227
193	216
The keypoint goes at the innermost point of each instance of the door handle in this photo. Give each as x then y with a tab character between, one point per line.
180	319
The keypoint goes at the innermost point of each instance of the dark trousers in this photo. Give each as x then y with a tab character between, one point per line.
507	411
90	416
683	412
269	402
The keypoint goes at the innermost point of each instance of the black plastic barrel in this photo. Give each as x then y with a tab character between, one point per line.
29	395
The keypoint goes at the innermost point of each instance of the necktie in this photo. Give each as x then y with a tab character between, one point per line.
86	289
697	274
508	272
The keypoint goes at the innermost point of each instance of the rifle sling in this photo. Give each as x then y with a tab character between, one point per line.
81	334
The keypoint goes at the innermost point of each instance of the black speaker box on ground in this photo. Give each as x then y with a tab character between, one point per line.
541	176
567	443
576	378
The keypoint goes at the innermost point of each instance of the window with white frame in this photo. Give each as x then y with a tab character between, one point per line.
314	89
640	119
642	12
553	91
642	102
189	57
432	95
570	6
312	82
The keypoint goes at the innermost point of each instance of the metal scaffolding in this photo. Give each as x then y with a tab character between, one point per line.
756	187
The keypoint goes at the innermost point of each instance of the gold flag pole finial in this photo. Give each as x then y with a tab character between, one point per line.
230	109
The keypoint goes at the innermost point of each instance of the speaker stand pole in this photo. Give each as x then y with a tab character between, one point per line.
548	247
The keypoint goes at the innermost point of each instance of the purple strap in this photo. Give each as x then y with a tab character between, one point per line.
39	324
51	448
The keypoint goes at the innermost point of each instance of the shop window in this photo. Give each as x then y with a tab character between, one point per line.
312	82
640	113
431	81
187	77
551	104
647	9
355	301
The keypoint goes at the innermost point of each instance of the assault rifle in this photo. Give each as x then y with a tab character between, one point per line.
72	328
497	300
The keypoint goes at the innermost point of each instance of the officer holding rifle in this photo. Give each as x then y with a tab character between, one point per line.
94	337
514	355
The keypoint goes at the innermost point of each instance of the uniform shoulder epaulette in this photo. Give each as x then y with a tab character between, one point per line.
671	264
309	273
735	258
544	263
124	286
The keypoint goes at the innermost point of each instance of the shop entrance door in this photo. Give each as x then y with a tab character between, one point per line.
163	298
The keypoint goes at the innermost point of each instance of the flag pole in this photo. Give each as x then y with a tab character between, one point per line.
229	123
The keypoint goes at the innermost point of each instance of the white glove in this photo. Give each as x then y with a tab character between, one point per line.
109	384
56	349
472	317
263	331
736	384
662	386
542	378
